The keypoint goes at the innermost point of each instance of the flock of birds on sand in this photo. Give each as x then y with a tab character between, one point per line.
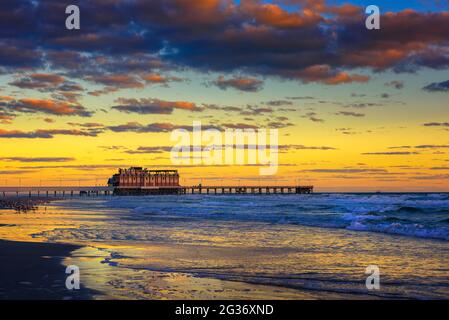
22	204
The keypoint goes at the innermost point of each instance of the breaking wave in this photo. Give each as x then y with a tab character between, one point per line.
416	215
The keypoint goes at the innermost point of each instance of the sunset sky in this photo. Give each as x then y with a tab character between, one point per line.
356	109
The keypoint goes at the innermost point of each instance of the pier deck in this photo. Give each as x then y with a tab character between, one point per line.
109	191
246	189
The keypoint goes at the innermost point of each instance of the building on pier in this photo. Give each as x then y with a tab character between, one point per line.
137	180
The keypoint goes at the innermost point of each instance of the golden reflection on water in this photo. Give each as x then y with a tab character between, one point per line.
226	262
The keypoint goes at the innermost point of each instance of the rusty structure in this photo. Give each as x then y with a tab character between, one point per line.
140	181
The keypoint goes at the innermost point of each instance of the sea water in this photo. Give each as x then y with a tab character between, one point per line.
317	245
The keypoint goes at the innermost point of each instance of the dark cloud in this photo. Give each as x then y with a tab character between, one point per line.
239	126
432	146
48	106
394	153
105	90
309	42
362	105
153	127
45	134
255	110
38	81
43	159
278	103
350	113
422	146
70	86
86	125
358	95
122	81
312	117
347	170
397	84
18	54
347	131
437	87
301	98
279	124
239	83
112	147
156	78
156	149
325	74
303	147
436	124
5	116
87	167
153	106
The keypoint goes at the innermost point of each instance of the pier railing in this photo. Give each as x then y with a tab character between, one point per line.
108	191
246	189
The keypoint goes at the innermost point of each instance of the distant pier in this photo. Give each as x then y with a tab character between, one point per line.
67	192
247	189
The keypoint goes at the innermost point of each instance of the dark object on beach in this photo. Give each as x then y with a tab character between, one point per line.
22	204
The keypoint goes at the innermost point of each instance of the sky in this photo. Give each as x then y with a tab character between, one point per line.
356	109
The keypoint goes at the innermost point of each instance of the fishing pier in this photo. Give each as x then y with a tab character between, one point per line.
139	181
65	192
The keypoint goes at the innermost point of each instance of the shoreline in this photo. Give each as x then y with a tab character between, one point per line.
202	259
34	271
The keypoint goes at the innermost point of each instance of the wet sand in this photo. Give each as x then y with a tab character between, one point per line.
122	257
30	270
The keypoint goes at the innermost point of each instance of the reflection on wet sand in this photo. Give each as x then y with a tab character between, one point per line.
126	258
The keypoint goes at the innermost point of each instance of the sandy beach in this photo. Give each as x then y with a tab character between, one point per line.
205	247
34	270
30	270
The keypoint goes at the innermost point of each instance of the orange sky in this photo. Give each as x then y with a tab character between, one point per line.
355	110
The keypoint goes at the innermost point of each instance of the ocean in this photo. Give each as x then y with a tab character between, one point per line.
255	246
